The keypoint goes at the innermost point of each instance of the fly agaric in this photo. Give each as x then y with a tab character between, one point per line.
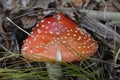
57	37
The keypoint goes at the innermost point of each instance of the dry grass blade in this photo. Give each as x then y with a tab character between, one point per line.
116	57
5	48
17	26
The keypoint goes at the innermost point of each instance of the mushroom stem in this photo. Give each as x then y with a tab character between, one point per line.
54	71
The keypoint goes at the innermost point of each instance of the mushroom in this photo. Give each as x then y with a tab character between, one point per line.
58	38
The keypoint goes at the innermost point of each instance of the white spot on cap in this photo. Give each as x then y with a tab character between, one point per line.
64	41
51	32
61	37
75	54
26	40
59	23
31	32
49	22
71	38
33	28
46	27
52	42
54	23
56	45
83	46
43	26
79	47
58	17
68	30
65	27
25	48
23	40
34	39
76	31
88	46
46	32
74	35
83	52
71	30
46	47
31	51
56	29
42	21
78	28
32	36
58	38
57	33
68	34
65	37
84	42
37	25
87	41
85	37
81	32
39	31
43	37
54	38
75	43
89	35
29	42
37	46
79	38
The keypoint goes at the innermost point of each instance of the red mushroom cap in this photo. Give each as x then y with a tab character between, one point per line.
58	38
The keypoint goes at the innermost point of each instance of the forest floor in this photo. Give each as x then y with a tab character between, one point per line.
100	18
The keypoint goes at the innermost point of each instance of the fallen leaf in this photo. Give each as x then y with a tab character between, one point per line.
28	22
78	3
3	33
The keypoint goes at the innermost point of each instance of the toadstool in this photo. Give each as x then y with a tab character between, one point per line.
58	38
